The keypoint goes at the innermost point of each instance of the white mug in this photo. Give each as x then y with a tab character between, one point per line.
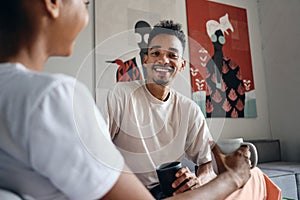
230	145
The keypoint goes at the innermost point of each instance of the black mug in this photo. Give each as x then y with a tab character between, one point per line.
166	176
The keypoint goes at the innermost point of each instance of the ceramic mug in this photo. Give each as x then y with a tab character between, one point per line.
228	146
166	176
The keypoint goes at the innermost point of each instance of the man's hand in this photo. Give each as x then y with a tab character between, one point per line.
236	164
186	180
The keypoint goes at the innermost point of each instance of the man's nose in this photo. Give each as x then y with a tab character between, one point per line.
164	59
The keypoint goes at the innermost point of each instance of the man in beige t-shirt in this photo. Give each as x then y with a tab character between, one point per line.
151	123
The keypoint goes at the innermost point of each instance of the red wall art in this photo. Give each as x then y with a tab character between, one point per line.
220	60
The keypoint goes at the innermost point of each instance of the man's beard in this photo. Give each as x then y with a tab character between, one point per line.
161	82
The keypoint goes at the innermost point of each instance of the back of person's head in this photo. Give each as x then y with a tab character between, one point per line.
168	27
14	26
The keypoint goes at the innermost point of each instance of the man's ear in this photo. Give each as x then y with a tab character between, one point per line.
52	7
183	64
145	58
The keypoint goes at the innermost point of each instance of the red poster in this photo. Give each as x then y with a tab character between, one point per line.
220	59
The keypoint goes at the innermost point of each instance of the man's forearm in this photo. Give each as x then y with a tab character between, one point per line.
218	188
205	173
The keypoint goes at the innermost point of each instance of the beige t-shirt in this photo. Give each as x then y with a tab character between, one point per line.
149	132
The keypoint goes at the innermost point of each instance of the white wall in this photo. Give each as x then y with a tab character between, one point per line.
248	128
80	64
280	30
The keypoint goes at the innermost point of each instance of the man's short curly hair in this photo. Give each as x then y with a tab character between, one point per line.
168	27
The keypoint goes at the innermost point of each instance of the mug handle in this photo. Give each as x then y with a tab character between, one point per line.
254	154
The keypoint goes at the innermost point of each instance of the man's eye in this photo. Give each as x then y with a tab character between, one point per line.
155	53
173	56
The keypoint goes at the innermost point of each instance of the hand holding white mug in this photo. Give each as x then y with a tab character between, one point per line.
236	164
228	146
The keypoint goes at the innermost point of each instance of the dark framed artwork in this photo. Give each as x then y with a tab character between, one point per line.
220	60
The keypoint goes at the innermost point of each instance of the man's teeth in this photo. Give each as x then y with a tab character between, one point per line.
161	70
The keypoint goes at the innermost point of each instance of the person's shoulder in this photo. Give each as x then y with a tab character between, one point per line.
67	86
36	85
47	82
185	100
187	104
50	79
129	84
24	82
125	87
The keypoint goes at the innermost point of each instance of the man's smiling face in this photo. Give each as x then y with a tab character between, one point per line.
164	59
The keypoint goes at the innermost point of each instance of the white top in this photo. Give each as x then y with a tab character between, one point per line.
54	144
149	132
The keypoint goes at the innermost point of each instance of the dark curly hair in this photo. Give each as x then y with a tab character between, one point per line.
13	22
168	27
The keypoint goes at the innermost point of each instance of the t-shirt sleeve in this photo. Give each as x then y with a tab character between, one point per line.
114	109
199	139
70	145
